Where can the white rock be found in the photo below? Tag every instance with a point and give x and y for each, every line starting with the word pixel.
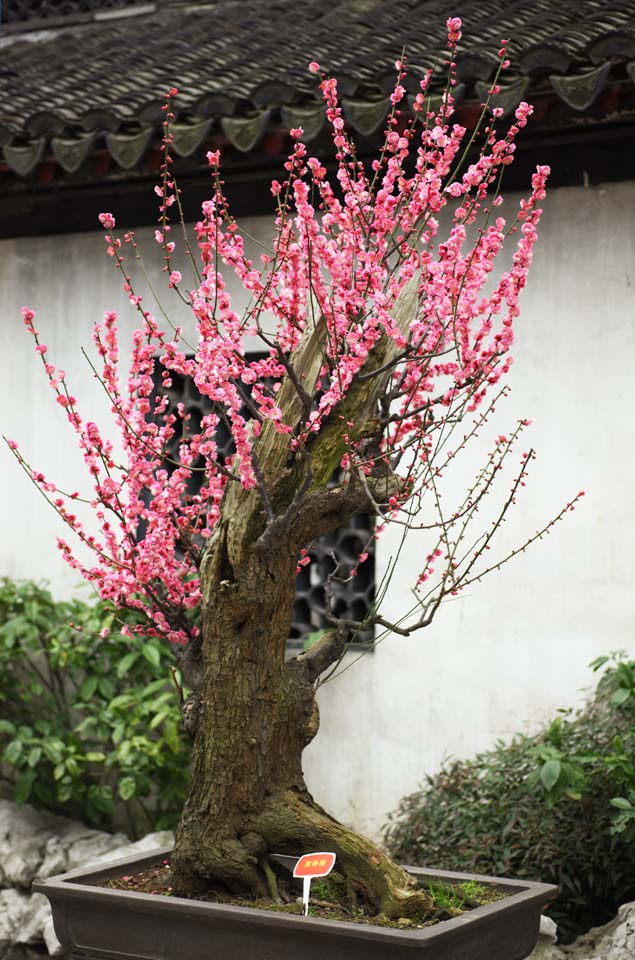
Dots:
pixel 614 941
pixel 35 843
pixel 547 951
pixel 548 930
pixel 34 916
pixel 162 838
pixel 14 907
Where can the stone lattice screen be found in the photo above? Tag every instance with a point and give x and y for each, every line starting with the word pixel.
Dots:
pixel 19 11
pixel 352 599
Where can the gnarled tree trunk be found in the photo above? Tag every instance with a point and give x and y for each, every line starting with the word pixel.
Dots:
pixel 255 713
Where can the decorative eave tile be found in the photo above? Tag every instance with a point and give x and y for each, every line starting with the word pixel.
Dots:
pixel 509 96
pixel 23 159
pixel 245 132
pixel 310 118
pixel 366 116
pixel 72 151
pixel 188 136
pixel 8 132
pixel 127 149
pixel 579 91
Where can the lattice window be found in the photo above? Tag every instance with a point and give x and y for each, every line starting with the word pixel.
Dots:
pixel 17 11
pixel 352 599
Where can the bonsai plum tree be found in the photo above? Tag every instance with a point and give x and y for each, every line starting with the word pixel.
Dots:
pixel 384 350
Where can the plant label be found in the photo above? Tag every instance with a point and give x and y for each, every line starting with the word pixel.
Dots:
pixel 309 866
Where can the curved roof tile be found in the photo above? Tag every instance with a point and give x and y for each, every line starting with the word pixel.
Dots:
pixel 237 60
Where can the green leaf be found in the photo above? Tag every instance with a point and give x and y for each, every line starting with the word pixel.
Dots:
pixel 94 756
pixel 172 738
pixel 118 731
pixel 622 803
pixel 550 773
pixel 52 751
pixel 598 662
pixel 59 771
pixel 43 794
pixel 13 752
pixel 7 727
pixel 123 700
pixel 127 788
pixel 126 663
pixel 620 696
pixel 167 697
pixel 65 791
pixel 585 757
pixel 23 787
pixel 153 687
pixel 88 688
pixel 35 754
pixel 106 688
pixel 72 766
pixel 158 719
pixel 151 653
pixel 101 797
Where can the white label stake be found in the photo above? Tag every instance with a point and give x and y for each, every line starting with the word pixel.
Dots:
pixel 309 866
pixel 306 893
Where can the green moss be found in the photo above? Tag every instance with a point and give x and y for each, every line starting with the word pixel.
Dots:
pixel 329 898
pixel 331 888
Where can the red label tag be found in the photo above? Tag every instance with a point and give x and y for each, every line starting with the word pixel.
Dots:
pixel 314 865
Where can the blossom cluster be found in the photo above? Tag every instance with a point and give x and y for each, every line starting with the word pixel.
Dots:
pixel 343 253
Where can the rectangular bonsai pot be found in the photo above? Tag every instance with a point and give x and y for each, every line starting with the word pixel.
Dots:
pixel 99 923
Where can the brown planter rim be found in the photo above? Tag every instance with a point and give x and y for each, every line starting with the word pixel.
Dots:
pixel 512 922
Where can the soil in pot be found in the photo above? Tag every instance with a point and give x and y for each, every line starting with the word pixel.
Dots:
pixel 331 898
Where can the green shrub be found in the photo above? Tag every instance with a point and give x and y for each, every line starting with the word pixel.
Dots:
pixel 558 807
pixel 89 719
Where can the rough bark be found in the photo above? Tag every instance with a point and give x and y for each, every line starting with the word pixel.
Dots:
pixel 256 714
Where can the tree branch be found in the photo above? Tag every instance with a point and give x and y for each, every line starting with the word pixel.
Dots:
pixel 327 650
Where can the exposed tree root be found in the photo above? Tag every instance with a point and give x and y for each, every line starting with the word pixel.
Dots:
pixel 272 883
pixel 294 824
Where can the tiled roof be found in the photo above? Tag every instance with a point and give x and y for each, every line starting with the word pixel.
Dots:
pixel 241 64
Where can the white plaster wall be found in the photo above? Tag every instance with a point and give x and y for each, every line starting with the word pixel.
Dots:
pixel 69 281
pixel 497 660
pixel 504 657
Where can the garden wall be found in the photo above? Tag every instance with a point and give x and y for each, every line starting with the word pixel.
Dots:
pixel 509 651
